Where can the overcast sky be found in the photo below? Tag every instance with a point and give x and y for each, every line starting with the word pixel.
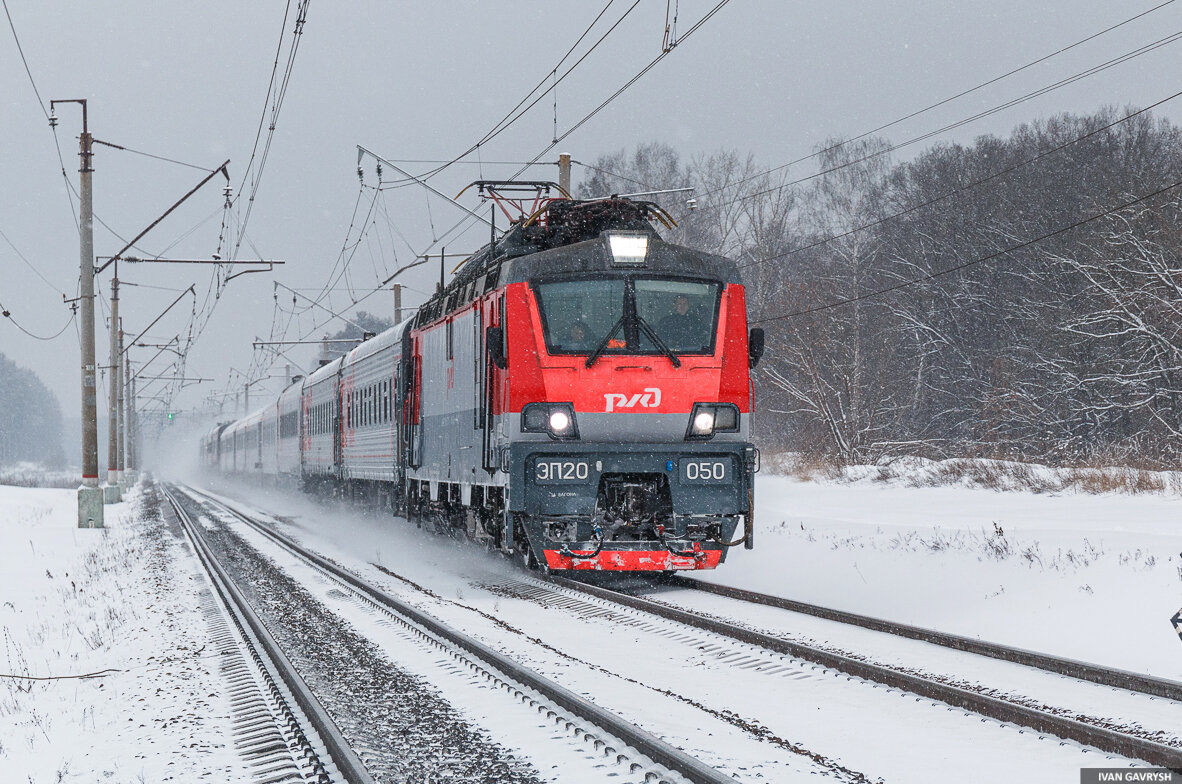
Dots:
pixel 424 80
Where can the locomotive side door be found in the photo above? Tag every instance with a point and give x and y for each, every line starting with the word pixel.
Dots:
pixel 414 403
pixel 493 316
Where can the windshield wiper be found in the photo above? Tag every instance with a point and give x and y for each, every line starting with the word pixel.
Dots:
pixel 598 352
pixel 652 335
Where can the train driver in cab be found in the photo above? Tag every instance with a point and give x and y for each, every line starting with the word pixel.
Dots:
pixel 680 328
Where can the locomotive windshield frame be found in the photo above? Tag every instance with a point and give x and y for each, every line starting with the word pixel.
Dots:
pixel 628 326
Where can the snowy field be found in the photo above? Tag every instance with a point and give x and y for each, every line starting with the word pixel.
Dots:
pixel 1086 576
pixel 1089 576
pixel 120 605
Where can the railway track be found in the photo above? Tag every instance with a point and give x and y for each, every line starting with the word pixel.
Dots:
pixel 641 753
pixel 1084 671
pixel 1003 710
pixel 281 729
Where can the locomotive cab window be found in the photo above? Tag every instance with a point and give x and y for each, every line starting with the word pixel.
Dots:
pixel 641 315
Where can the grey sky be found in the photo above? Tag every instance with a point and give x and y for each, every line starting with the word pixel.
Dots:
pixel 425 80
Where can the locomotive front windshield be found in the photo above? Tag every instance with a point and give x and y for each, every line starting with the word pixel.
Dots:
pixel 629 315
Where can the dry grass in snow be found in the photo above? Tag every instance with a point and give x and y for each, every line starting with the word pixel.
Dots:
pixel 107 672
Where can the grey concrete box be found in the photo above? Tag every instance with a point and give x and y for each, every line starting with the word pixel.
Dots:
pixel 90 507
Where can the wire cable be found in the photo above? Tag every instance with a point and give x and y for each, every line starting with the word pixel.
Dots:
pixel 28 263
pixel 151 155
pixel 275 107
pixel 21 50
pixel 513 115
pixel 4 312
pixel 664 53
pixel 1124 58
pixel 465 222
pixel 944 101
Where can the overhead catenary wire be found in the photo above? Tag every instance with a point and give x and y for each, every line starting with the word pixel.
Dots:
pixel 980 260
pixel 513 115
pixel 587 117
pixel 275 106
pixel 887 150
pixel 41 105
pixel 652 64
pixel 24 61
pixel 943 101
pixel 465 223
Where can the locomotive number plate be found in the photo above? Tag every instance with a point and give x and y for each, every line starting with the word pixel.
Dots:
pixel 705 469
pixel 554 471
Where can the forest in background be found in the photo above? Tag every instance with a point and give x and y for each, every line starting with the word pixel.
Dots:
pixel 1016 298
pixel 30 419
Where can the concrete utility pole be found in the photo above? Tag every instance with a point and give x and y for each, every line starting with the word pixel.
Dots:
pixel 111 492
pixel 564 172
pixel 132 425
pixel 90 496
pixel 123 384
pixel 397 303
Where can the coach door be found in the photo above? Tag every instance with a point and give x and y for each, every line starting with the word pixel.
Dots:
pixel 338 432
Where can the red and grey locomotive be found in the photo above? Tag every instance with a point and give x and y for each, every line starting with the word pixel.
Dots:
pixel 579 394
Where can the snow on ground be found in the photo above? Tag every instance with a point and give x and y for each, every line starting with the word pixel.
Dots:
pixel 1087 576
pixel 905 578
pixel 123 602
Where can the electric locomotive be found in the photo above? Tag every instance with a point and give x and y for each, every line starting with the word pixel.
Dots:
pixel 580 393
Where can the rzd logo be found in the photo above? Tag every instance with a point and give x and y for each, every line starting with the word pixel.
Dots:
pixel 649 398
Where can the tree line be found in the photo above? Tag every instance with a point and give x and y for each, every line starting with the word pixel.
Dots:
pixel 1016 297
pixel 30 419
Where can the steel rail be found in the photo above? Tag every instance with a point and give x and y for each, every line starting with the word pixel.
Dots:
pixel 992 707
pixel 1081 670
pixel 347 762
pixel 641 740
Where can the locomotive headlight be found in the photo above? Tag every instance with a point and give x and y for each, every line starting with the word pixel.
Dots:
pixel 559 421
pixel 628 248
pixel 703 423
pixel 556 419
pixel 710 418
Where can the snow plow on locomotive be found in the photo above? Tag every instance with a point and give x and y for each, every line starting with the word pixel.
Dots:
pixel 579 394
